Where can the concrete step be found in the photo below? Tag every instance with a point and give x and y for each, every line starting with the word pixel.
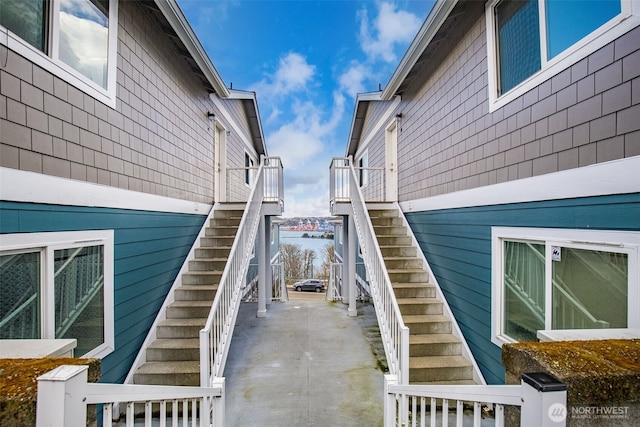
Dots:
pixel 222 222
pixel 221 230
pixel 202 278
pixel 207 264
pixel 427 324
pixel 216 252
pixel 398 251
pixel 414 290
pixel 394 240
pixel 390 230
pixel 180 328
pixel 408 275
pixel 386 221
pixel 195 292
pixel 416 306
pixel 398 262
pixel 434 345
pixel 212 242
pixel 377 213
pixel 228 213
pixel 182 373
pixel 439 368
pixel 164 350
pixel 188 309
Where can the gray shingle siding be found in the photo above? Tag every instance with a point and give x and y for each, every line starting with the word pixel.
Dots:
pixel 157 140
pixel 449 141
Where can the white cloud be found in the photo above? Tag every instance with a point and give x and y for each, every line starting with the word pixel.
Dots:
pixel 352 80
pixel 293 74
pixel 389 28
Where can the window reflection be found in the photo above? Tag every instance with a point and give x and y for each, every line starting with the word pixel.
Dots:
pixel 84 41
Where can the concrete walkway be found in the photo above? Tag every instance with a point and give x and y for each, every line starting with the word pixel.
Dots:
pixel 306 364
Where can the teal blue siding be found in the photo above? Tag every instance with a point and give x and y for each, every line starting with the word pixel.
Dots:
pixel 457 245
pixel 149 249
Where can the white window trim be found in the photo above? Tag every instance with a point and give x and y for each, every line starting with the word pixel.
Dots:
pixel 363 170
pixel 251 171
pixel 47 243
pixel 65 72
pixel 615 28
pixel 615 241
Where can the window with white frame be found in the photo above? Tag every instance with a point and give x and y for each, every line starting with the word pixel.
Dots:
pixel 558 279
pixel 249 169
pixel 363 172
pixel 74 39
pixel 58 285
pixel 528 38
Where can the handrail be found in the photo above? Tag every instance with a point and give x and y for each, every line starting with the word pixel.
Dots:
pixel 64 394
pixel 215 336
pixel 395 334
pixel 430 404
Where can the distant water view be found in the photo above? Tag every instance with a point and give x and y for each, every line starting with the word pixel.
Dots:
pixel 316 243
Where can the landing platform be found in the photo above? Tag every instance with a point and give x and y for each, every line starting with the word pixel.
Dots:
pixel 306 364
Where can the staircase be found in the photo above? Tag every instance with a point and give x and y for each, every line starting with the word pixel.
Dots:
pixel 435 354
pixel 173 358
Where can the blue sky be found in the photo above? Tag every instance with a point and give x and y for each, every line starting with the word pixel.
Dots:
pixel 306 61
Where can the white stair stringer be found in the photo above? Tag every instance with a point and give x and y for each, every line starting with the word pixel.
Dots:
pixel 447 321
pixel 180 285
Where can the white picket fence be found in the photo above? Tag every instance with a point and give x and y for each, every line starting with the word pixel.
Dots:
pixel 64 396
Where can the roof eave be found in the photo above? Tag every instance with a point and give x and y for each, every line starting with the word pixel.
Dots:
pixel 359 111
pixel 439 13
pixel 253 116
pixel 181 26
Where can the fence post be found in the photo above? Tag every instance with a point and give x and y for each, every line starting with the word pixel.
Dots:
pixel 390 405
pixel 61 397
pixel 218 403
pixel 544 401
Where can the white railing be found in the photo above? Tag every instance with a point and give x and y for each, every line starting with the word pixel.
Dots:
pixel 395 335
pixel 370 181
pixel 431 405
pixel 240 181
pixel 64 394
pixel 334 287
pixel 215 337
pixel 279 287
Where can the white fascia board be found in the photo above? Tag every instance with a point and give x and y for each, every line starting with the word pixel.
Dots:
pixel 614 177
pixel 439 13
pixel 229 120
pixel 251 96
pixel 181 26
pixel 382 122
pixel 31 187
pixel 361 97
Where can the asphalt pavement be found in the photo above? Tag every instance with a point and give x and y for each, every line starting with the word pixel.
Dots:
pixel 305 364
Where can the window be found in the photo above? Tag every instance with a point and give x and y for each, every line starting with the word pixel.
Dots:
pixel 546 279
pixel 249 170
pixel 58 285
pixel 363 172
pixel 74 39
pixel 534 37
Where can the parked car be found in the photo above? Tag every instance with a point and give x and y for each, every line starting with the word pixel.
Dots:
pixel 309 285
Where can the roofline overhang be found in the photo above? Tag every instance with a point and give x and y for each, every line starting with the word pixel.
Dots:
pixel 357 121
pixel 439 13
pixel 251 102
pixel 181 26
